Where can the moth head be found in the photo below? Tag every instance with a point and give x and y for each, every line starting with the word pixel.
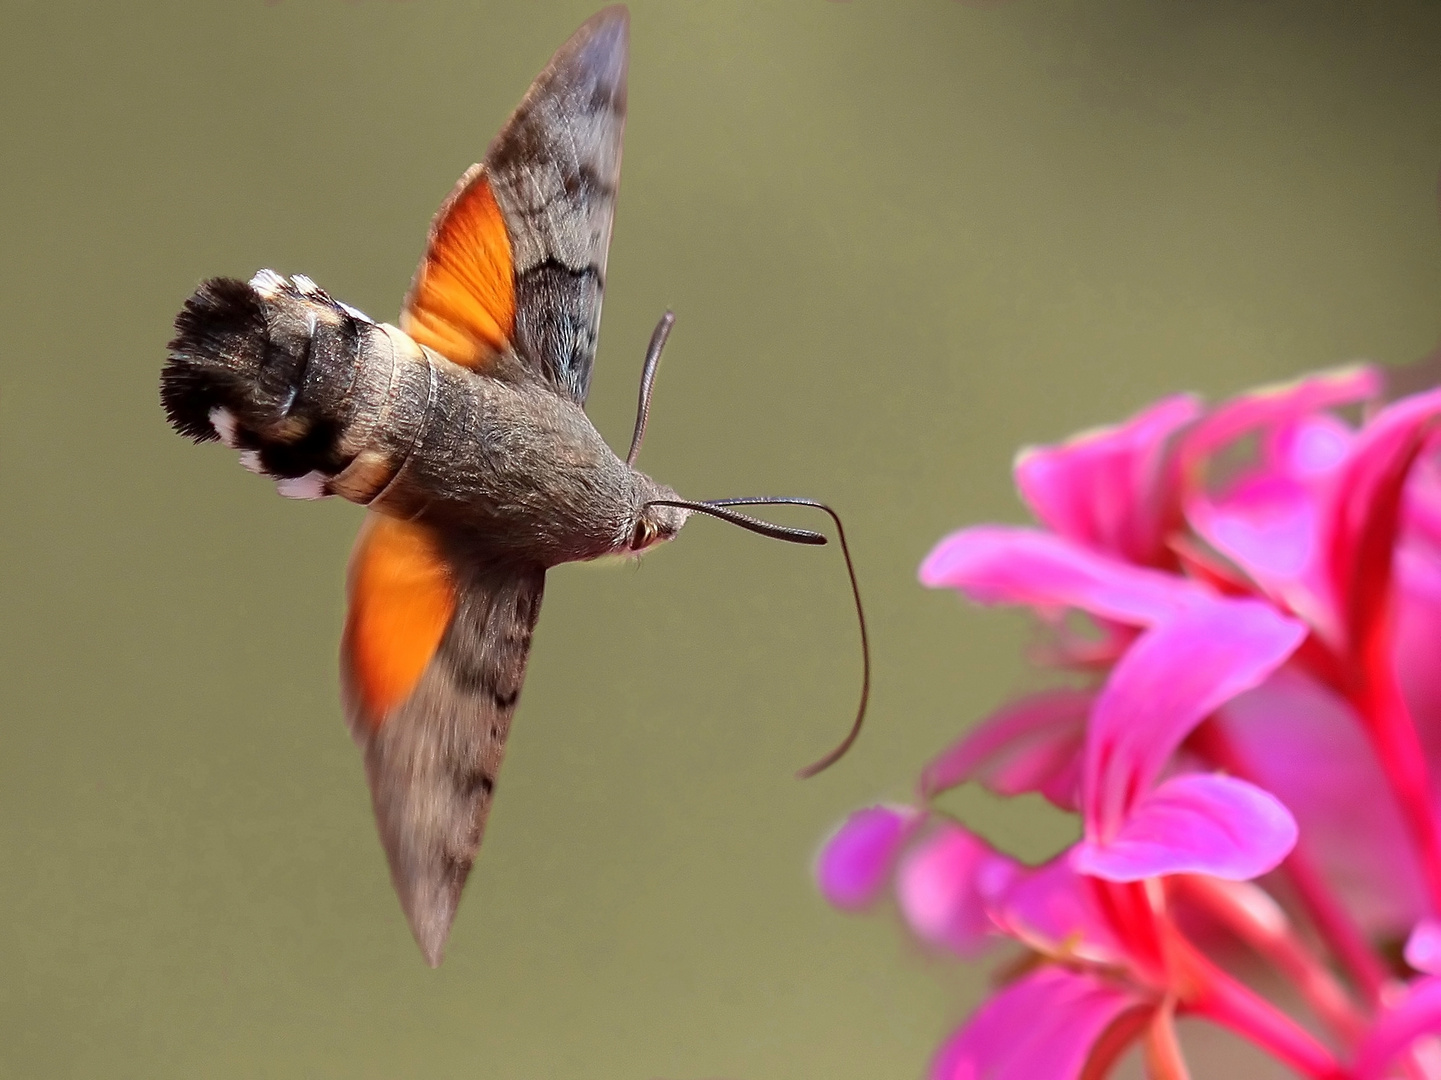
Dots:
pixel 655 523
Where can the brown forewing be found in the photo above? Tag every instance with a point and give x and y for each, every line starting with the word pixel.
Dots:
pixel 554 170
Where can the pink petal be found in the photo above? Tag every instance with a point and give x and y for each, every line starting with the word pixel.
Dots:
pixel 856 861
pixel 1173 677
pixel 1366 513
pixel 1041 1027
pixel 1418 1013
pixel 1271 524
pixel 1033 744
pixel 1270 527
pixel 1305 744
pixel 1417 631
pixel 997 564
pixel 1196 824
pixel 1310 448
pixel 1053 910
pixel 943 885
pixel 1423 947
pixel 1267 526
pixel 1276 405
pixel 1106 489
pixel 1423 502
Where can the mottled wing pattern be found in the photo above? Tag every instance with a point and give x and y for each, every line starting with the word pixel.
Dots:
pixel 554 170
pixel 432 665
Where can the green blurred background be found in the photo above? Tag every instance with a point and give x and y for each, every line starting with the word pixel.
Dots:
pixel 903 237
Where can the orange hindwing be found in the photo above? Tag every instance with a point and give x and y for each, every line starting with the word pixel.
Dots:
pixel 462 300
pixel 401 600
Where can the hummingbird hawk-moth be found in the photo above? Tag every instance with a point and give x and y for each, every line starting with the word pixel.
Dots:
pixel 463 430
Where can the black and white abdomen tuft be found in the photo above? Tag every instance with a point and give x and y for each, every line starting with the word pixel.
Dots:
pixel 312 392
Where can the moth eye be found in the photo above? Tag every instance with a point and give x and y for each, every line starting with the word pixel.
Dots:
pixel 641 535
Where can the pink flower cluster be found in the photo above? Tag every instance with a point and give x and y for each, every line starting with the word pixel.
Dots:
pixel 1248 602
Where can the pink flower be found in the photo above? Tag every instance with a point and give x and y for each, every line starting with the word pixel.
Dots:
pixel 1173 677
pixel 1044 1024
pixel 1263 581
pixel 1112 489
pixel 1416 1014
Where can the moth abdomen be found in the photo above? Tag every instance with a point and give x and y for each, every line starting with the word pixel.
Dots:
pixel 215 357
pixel 300 383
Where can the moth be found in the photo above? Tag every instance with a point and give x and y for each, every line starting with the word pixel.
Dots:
pixel 463 431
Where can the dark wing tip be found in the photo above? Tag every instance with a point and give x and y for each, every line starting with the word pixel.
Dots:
pixel 429 896
pixel 615 18
pixel 432 937
pixel 600 49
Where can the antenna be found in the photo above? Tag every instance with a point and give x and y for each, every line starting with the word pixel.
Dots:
pixel 647 382
pixel 719 508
